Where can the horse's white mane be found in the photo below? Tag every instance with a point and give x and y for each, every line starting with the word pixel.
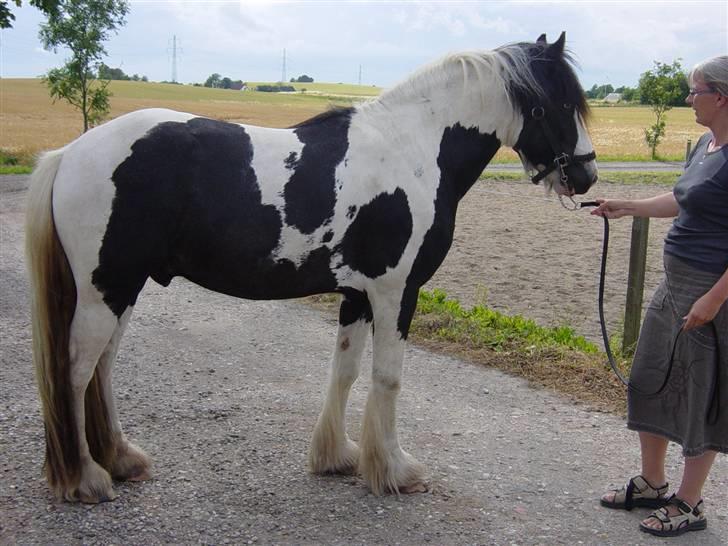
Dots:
pixel 506 68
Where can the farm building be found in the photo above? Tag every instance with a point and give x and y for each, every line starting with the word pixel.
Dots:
pixel 613 97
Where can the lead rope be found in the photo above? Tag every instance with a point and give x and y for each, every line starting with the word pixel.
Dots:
pixel 714 408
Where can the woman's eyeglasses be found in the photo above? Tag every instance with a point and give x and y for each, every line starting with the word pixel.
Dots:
pixel 696 92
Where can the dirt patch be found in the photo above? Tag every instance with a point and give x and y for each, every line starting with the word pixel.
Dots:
pixel 521 252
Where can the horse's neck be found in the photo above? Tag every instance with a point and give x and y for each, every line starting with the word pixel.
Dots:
pixel 455 92
pixel 464 127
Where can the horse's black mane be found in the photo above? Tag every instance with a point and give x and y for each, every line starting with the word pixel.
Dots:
pixel 334 112
pixel 565 85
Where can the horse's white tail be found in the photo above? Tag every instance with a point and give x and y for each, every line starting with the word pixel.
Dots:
pixel 53 302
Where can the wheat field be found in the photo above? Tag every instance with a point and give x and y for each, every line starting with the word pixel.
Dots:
pixel 31 122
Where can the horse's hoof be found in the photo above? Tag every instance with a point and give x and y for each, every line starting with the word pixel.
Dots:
pixel 108 497
pixel 419 487
pixel 141 477
pixel 131 464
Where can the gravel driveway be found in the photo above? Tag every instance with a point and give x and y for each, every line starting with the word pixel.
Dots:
pixel 224 394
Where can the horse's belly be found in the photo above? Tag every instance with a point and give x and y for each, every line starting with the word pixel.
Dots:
pixel 262 278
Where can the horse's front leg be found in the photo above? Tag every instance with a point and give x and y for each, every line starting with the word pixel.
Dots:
pixel 385 466
pixel 331 449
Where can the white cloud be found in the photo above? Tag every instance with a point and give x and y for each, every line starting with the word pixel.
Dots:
pixel 614 42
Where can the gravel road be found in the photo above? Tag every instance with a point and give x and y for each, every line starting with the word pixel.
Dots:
pixel 224 394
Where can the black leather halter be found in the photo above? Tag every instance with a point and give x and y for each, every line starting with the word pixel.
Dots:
pixel 561 159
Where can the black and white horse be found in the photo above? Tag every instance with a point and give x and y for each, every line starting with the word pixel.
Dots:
pixel 359 201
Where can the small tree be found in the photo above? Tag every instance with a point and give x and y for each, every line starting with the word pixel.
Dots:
pixel 662 88
pixel 82 26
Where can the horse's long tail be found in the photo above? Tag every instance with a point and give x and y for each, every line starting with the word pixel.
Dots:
pixel 53 303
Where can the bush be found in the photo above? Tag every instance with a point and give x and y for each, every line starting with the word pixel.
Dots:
pixel 275 88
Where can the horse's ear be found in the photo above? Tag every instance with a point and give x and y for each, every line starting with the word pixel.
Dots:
pixel 541 39
pixel 556 50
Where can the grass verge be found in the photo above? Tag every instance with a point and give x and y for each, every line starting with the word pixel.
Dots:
pixel 15 169
pixel 552 358
pixel 628 178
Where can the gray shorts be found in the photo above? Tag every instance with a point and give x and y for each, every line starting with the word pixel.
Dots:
pixel 685 410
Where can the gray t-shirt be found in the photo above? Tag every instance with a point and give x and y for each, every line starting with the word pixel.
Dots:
pixel 699 234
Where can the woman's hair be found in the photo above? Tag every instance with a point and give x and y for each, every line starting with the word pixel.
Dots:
pixel 714 73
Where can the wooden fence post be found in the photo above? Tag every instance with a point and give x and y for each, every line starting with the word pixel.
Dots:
pixel 688 148
pixel 635 283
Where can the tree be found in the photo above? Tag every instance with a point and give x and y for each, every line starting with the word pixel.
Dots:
pixel 107 73
pixel 6 17
pixel 82 26
pixel 215 80
pixel 662 88
pixel 629 94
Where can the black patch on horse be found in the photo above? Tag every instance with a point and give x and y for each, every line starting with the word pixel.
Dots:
pixel 464 153
pixel 310 193
pixel 377 237
pixel 187 203
pixel 354 306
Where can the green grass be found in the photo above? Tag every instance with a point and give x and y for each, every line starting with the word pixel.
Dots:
pixel 445 319
pixel 172 92
pixel 329 88
pixel 16 162
pixel 627 178
pixel 15 169
pixel 640 177
pixel 315 92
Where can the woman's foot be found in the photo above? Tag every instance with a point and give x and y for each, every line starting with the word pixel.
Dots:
pixel 638 493
pixel 676 518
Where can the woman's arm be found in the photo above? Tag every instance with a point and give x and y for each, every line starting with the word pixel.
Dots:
pixel 660 206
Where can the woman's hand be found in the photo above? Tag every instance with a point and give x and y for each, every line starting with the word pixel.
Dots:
pixel 702 311
pixel 613 208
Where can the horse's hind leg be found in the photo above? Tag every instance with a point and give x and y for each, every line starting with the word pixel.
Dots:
pixel 331 449
pixel 129 462
pixel 92 330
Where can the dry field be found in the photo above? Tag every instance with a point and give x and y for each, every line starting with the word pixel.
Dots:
pixel 30 121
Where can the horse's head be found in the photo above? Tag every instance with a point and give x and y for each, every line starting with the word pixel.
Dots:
pixel 553 140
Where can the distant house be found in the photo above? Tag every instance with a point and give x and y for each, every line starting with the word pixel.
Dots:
pixel 239 86
pixel 613 97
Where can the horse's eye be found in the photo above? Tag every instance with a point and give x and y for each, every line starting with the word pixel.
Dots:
pixel 567 106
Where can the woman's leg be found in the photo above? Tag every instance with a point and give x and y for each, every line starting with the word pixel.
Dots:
pixel 653 450
pixel 694 475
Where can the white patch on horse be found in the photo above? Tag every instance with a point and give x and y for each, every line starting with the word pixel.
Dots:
pixel 271 148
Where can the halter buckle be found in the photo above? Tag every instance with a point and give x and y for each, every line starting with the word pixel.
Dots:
pixel 573 206
pixel 562 160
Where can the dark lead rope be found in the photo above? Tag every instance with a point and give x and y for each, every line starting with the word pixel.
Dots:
pixel 714 408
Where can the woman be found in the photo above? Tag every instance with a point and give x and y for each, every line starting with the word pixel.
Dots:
pixel 685 331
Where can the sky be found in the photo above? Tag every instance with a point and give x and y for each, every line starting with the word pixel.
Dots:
pixel 379 42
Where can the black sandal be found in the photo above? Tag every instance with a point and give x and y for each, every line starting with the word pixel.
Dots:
pixel 689 519
pixel 638 493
